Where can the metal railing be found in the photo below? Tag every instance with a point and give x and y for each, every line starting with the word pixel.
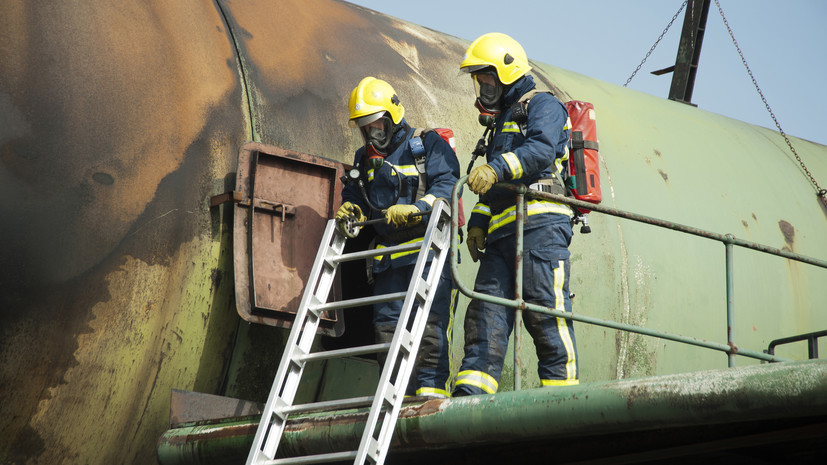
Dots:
pixel 730 348
pixel 811 338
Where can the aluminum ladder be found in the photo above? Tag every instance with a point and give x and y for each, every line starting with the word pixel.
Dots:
pixel 401 351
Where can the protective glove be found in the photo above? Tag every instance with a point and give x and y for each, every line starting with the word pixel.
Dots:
pixel 350 209
pixel 482 178
pixel 476 242
pixel 399 215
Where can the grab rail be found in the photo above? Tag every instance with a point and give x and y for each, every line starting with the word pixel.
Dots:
pixel 730 348
pixel 811 338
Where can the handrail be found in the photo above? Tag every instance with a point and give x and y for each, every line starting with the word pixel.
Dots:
pixel 811 338
pixel 730 348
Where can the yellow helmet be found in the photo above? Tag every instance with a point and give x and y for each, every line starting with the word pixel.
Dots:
pixel 502 52
pixel 370 99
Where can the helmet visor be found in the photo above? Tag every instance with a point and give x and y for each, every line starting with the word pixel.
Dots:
pixel 487 88
pixel 378 133
pixel 365 120
pixel 473 69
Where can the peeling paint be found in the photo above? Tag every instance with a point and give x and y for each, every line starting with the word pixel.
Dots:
pixel 789 233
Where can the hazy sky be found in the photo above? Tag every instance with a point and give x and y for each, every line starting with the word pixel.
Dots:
pixel 784 43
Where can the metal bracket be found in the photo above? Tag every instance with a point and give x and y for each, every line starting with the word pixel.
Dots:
pixel 278 208
pixel 232 196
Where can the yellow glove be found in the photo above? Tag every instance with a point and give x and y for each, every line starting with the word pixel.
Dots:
pixel 350 209
pixel 481 179
pixel 399 215
pixel 476 242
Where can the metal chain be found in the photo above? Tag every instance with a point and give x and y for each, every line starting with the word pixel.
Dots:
pixel 655 44
pixel 821 193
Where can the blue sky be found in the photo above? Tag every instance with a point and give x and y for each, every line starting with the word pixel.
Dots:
pixel 784 43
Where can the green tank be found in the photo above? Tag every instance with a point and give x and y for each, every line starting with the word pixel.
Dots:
pixel 129 330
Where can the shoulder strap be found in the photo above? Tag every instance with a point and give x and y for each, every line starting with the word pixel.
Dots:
pixel 519 110
pixel 530 95
pixel 418 151
pixel 416 144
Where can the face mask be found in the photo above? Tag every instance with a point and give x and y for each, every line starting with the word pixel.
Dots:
pixel 378 140
pixel 490 95
pixel 379 136
pixel 489 90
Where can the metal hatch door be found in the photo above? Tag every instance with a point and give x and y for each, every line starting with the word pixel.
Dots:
pixel 292 196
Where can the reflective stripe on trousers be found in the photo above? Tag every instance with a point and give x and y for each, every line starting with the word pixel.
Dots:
pixel 488 326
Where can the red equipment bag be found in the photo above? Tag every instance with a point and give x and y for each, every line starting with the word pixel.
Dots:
pixel 584 163
pixel 448 135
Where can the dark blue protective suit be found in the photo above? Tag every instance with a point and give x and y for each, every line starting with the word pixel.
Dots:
pixel 393 273
pixel 523 155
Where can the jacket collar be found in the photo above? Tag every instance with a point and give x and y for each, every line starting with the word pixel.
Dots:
pixel 517 90
pixel 403 132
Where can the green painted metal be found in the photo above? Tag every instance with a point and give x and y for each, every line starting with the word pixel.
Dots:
pixel 518 289
pixel 730 303
pixel 757 395
pixel 690 167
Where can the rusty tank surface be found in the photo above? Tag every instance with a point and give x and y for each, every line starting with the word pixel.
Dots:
pixel 120 126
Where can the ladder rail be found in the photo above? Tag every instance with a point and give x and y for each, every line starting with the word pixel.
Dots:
pixel 375 447
pixel 263 442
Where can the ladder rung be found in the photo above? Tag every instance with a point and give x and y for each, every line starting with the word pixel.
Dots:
pixel 360 302
pixel 330 405
pixel 319 458
pixel 328 354
pixel 376 252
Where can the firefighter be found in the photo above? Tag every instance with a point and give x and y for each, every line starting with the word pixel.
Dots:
pixel 390 190
pixel 528 150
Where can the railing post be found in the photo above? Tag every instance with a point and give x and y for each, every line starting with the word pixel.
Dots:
pixel 730 302
pixel 518 290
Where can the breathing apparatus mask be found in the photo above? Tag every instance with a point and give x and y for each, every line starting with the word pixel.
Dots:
pixel 489 91
pixel 377 133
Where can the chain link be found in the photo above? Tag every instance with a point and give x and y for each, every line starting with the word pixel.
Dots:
pixel 821 193
pixel 655 44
